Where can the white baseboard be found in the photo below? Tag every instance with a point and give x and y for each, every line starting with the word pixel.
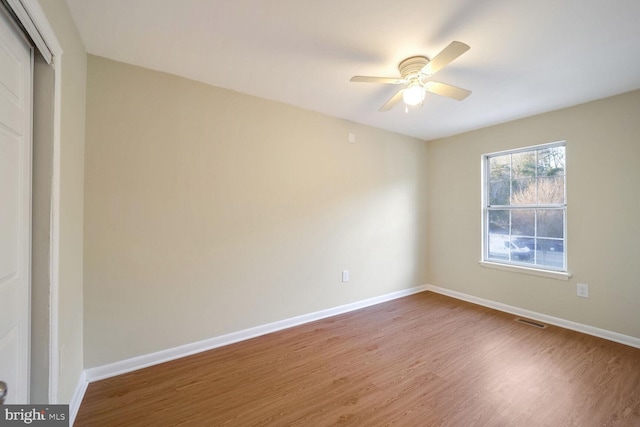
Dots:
pixel 567 324
pixel 78 395
pixel 139 362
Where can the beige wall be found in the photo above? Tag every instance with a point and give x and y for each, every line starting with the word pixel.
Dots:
pixel 209 211
pixel 603 179
pixel 73 68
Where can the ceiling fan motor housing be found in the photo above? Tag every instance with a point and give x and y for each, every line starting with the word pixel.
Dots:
pixel 411 67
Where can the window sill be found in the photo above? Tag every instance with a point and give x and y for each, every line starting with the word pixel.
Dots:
pixel 558 275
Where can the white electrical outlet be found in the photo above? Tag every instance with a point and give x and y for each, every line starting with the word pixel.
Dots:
pixel 345 275
pixel 352 137
pixel 583 290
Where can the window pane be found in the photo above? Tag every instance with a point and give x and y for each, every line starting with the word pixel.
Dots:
pixel 498 247
pixel 550 245
pixel 523 192
pixel 551 189
pixel 500 168
pixel 523 165
pixel 551 223
pixel 502 248
pixel 551 161
pixel 499 180
pixel 550 253
pixel 499 193
pixel 499 222
pixel 529 242
pixel 520 252
pixel 523 222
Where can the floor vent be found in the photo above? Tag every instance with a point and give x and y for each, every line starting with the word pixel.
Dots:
pixel 531 323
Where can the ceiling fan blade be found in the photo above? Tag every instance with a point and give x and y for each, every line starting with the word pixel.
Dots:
pixel 385 80
pixel 447 55
pixel 393 101
pixel 447 90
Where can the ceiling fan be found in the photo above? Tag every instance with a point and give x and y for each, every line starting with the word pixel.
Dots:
pixel 415 72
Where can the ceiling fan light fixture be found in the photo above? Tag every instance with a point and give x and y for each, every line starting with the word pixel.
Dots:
pixel 415 72
pixel 414 94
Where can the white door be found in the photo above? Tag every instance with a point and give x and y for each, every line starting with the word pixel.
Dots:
pixel 16 64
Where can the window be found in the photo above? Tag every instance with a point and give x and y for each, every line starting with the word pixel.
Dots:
pixel 524 207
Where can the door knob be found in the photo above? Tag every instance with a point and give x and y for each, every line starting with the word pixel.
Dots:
pixel 3 391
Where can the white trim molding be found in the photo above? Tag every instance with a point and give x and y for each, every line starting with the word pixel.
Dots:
pixel 54 353
pixel 78 395
pixel 567 324
pixel 144 361
pixel 559 275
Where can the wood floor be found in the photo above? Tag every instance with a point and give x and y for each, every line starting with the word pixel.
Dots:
pixel 423 360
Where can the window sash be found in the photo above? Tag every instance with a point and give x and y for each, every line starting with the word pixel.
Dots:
pixel 537 238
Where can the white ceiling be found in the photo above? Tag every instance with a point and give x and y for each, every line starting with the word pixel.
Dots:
pixel 526 56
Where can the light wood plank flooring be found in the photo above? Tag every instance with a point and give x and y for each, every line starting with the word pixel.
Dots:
pixel 423 360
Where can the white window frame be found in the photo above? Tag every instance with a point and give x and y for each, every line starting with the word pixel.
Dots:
pixel 510 265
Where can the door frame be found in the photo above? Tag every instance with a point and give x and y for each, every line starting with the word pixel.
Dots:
pixel 30 15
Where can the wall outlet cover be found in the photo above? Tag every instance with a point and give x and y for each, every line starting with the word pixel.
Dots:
pixel 583 290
